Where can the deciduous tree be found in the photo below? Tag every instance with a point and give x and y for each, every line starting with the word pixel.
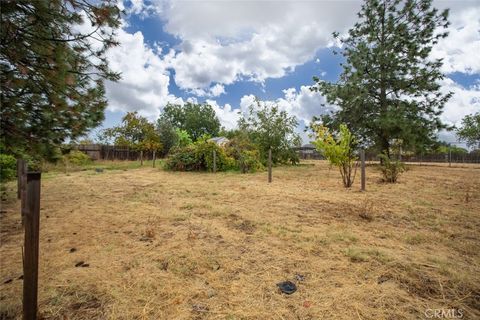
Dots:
pixel 269 127
pixel 196 119
pixel 470 130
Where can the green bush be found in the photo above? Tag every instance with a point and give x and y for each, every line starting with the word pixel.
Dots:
pixel 8 167
pixel 391 170
pixel 77 158
pixel 246 155
pixel 182 159
pixel 199 157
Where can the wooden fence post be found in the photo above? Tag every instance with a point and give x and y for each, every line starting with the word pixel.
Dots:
pixel 21 170
pixel 214 161
pixel 30 267
pixel 141 157
pixel 153 160
pixel 449 156
pixel 362 159
pixel 270 165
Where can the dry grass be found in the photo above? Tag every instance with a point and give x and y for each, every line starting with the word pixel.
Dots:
pixel 161 245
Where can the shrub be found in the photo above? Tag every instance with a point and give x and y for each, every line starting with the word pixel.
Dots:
pixel 199 156
pixel 339 149
pixel 391 170
pixel 182 159
pixel 204 154
pixel 245 154
pixel 77 158
pixel 8 167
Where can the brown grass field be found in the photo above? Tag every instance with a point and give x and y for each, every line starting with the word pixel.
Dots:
pixel 163 245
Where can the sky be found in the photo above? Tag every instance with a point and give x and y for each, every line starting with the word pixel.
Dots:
pixel 226 53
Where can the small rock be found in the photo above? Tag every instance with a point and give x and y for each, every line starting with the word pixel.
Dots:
pixel 8 281
pixel 73 250
pixel 20 278
pixel 287 287
pixel 79 264
pixel 85 265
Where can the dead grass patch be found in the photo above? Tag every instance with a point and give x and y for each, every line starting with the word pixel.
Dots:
pixel 164 245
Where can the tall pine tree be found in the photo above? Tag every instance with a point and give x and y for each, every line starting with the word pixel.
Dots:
pixel 389 89
pixel 52 72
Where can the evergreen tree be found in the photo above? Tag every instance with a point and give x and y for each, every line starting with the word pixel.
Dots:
pixel 389 89
pixel 52 73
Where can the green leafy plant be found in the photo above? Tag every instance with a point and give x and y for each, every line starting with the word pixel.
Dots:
pixel 8 166
pixel 199 157
pixel 246 154
pixel 271 128
pixel 391 169
pixel 77 158
pixel 339 150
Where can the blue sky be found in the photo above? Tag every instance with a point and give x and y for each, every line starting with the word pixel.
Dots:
pixel 226 53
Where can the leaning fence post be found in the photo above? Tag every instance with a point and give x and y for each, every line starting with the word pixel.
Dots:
pixel 154 155
pixel 30 267
pixel 362 171
pixel 270 165
pixel 214 161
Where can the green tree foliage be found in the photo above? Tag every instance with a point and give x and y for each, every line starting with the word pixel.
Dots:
pixel 339 149
pixel 135 132
pixel 268 127
pixel 183 138
pixel 196 119
pixel 8 167
pixel 167 134
pixel 51 73
pixel 389 88
pixel 470 130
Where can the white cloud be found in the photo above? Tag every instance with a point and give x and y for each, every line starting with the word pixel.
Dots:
pixel 223 42
pixel 303 104
pixel 460 50
pixel 463 102
pixel 145 78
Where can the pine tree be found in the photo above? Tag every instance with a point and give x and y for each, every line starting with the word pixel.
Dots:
pixel 52 73
pixel 389 89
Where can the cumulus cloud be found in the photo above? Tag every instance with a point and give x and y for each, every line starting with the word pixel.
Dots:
pixel 460 49
pixel 145 78
pixel 463 102
pixel 224 42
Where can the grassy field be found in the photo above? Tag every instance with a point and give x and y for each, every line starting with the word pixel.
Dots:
pixel 170 245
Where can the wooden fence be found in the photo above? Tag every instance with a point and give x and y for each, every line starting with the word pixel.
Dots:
pixel 108 152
